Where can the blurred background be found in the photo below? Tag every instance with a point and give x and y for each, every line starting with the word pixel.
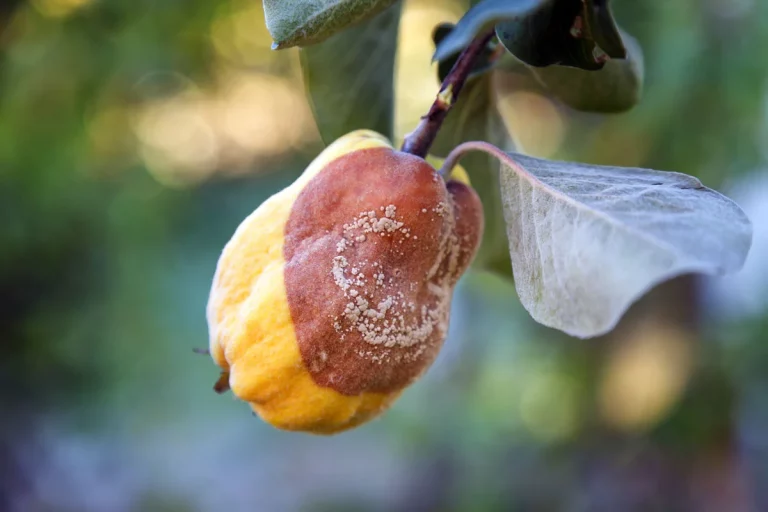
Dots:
pixel 136 135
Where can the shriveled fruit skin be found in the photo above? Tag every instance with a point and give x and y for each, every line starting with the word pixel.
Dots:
pixel 334 295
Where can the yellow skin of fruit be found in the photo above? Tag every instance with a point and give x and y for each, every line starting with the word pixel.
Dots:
pixel 248 302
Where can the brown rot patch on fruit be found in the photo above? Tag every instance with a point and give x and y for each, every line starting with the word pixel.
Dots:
pixel 373 247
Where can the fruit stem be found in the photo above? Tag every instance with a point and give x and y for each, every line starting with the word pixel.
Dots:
pixel 222 384
pixel 420 139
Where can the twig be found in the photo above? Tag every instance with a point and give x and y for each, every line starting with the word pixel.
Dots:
pixel 420 140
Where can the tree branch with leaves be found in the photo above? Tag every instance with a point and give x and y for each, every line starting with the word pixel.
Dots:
pixel 345 300
pixel 576 50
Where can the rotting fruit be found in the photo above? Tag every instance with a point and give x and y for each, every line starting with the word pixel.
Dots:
pixel 334 295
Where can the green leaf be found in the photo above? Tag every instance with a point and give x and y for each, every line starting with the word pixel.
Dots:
pixel 587 241
pixel 482 16
pixel 306 22
pixel 350 78
pixel 615 88
pixel 577 33
pixel 475 117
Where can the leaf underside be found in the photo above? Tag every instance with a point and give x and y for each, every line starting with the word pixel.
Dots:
pixel 587 241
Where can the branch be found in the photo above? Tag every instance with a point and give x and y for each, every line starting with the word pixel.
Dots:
pixel 420 140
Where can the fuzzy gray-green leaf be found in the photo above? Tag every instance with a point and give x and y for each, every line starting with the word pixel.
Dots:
pixel 587 241
pixel 306 22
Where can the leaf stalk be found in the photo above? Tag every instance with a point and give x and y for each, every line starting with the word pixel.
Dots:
pixel 421 138
pixel 459 151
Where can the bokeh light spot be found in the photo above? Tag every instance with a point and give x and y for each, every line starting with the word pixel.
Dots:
pixel 549 406
pixel 645 377
pixel 239 34
pixel 537 126
pixel 179 145
pixel 58 8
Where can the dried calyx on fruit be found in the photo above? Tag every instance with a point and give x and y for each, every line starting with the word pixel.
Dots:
pixel 334 295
